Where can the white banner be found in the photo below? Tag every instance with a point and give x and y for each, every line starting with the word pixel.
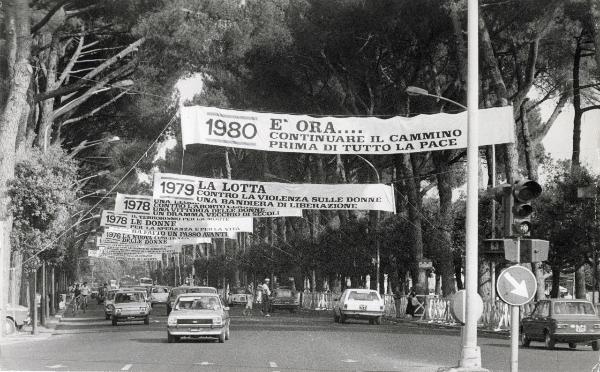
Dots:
pixel 204 237
pixel 146 205
pixel 273 194
pixel 141 224
pixel 341 135
pixel 122 237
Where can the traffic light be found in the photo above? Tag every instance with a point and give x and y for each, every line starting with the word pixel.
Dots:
pixel 504 194
pixel 524 192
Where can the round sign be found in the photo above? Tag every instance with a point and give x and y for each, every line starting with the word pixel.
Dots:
pixel 516 285
pixel 459 305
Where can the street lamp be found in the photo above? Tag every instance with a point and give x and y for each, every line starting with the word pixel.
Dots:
pixel 96 192
pixel 84 179
pixel 416 91
pixel 87 144
pixel 377 240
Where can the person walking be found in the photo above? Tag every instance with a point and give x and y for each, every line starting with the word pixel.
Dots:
pixel 266 293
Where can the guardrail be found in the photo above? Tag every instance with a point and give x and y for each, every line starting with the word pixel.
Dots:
pixel 431 308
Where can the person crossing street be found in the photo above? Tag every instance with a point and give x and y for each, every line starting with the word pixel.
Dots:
pixel 265 298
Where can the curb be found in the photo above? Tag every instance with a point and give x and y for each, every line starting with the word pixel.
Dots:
pixel 501 334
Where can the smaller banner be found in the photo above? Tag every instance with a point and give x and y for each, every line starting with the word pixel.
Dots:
pixel 146 205
pixel 341 135
pixel 179 229
pixel 157 239
pixel 273 194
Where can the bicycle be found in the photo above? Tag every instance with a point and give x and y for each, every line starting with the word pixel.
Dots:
pixel 84 302
pixel 75 304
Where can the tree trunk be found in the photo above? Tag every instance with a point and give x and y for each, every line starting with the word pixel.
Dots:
pixel 594 12
pixel 555 291
pixel 18 43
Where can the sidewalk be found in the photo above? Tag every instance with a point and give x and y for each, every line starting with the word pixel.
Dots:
pixel 43 332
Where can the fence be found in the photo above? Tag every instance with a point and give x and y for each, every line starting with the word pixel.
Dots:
pixel 433 309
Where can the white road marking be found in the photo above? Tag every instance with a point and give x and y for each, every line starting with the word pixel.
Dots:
pixel 56 366
pixel 204 364
pixel 273 364
pixel 350 361
pixel 126 367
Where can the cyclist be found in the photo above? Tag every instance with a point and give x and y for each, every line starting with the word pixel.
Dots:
pixel 76 298
pixel 85 292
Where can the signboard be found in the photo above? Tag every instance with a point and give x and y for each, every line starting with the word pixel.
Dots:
pixel 180 229
pixel 459 305
pixel 516 285
pixel 147 205
pixel 273 194
pixel 341 135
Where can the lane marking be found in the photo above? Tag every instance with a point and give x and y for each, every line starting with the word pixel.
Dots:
pixel 273 364
pixel 126 367
pixel 56 366
pixel 204 364
pixel 350 361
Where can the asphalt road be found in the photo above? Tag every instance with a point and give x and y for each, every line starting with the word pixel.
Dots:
pixel 282 342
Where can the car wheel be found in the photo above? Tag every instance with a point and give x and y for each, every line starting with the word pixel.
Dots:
pixel 147 319
pixel 227 333
pixel 336 318
pixel 342 318
pixel 549 341
pixel 525 341
pixel 171 339
pixel 377 320
pixel 222 337
pixel 114 321
pixel 107 316
pixel 168 309
pixel 595 345
pixel 572 345
pixel 9 326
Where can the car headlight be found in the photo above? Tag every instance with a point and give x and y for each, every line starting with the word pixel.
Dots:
pixel 217 321
pixel 172 321
pixel 559 326
pixel 118 309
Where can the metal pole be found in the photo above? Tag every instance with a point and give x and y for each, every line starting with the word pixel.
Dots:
pixel 53 296
pixel 33 302
pixel 514 326
pixel 471 354
pixel 43 296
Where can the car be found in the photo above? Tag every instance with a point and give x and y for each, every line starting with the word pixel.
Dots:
pixel 285 298
pixel 108 302
pixel 16 317
pixel 176 291
pixel 130 305
pixel 359 303
pixel 159 295
pixel 561 320
pixel 198 315
pixel 238 296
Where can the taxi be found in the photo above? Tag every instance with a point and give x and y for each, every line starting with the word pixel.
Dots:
pixel 560 320
pixel 198 315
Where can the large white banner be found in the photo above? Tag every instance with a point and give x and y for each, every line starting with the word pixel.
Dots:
pixel 341 135
pixel 179 229
pixel 116 236
pixel 147 205
pixel 273 194
pixel 103 252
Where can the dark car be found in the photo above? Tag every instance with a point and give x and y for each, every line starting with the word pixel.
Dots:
pixel 285 298
pixel 562 320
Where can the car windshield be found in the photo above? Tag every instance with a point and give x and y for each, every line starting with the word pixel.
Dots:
pixel 208 303
pixel 129 297
pixel 159 290
pixel 363 296
pixel 573 308
pixel 284 292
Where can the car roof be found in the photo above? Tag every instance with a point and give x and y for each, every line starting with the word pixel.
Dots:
pixel 361 290
pixel 194 286
pixel 198 295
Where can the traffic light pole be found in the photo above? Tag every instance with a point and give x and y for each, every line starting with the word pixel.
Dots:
pixel 514 325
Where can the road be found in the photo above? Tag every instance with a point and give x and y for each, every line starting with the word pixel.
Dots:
pixel 283 342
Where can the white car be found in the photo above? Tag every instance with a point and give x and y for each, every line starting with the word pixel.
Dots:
pixel 159 295
pixel 358 303
pixel 130 305
pixel 198 315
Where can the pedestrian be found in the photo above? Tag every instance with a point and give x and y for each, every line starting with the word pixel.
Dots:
pixel 412 304
pixel 266 293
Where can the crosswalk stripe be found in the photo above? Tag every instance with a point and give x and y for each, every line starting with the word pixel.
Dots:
pixel 126 367
pixel 273 364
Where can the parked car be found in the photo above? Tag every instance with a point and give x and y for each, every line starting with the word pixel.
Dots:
pixel 238 296
pixel 198 315
pixel 561 320
pixel 16 317
pixel 159 295
pixel 285 298
pixel 359 304
pixel 130 305
pixel 176 291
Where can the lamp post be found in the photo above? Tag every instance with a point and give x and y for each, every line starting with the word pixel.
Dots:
pixel 96 192
pixel 377 240
pixel 87 144
pixel 416 91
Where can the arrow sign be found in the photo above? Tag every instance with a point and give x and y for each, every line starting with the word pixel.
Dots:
pixel 520 287
pixel 516 285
